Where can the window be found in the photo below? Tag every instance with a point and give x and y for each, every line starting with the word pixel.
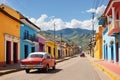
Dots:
pixel 36 56
pixel 48 56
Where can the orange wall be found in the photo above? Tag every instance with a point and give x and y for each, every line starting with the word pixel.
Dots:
pixel 7 26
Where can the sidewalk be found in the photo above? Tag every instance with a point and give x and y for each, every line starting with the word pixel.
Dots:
pixel 111 69
pixel 16 67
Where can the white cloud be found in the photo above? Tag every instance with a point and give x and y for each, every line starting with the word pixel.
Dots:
pixel 60 24
pixel 99 11
pixel 91 10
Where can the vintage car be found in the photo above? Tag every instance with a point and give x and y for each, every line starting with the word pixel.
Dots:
pixel 38 60
pixel 82 54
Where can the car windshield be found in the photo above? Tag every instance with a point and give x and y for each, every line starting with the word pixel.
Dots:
pixel 36 56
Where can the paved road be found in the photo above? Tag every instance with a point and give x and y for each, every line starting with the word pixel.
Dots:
pixel 73 69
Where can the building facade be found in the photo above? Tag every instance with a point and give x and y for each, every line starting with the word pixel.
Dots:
pixel 51 48
pixel 29 38
pixel 9 36
pixel 98 46
pixel 41 43
pixel 111 37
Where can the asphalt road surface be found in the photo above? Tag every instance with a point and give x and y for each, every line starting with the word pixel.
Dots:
pixel 74 69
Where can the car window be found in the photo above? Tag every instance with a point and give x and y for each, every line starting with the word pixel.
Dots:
pixel 36 56
pixel 48 56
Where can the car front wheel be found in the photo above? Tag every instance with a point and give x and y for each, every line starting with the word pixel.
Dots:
pixel 54 67
pixel 46 69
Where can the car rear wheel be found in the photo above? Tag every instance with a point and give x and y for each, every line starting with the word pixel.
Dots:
pixel 27 70
pixel 54 67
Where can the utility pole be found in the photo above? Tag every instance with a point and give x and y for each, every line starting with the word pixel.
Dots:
pixel 93 33
pixel 93 23
pixel 54 41
pixel 61 45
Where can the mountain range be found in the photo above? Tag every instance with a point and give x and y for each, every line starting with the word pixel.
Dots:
pixel 77 35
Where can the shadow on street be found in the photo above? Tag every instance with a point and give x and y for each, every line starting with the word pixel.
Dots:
pixel 49 72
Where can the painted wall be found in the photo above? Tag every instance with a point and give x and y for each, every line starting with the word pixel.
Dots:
pixel 98 46
pixel 109 50
pixel 50 44
pixel 24 42
pixel 8 26
pixel 41 40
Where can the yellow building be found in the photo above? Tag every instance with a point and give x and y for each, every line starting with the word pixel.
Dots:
pixel 51 48
pixel 9 35
pixel 68 48
pixel 98 46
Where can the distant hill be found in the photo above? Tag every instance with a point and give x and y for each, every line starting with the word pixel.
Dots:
pixel 78 36
pixel 70 32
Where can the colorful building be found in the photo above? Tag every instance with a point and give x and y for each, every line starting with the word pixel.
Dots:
pixel 51 48
pixel 9 35
pixel 111 38
pixel 28 36
pixel 98 46
pixel 41 43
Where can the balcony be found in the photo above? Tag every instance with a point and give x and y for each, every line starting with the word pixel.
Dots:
pixel 27 37
pixel 33 39
pixel 114 28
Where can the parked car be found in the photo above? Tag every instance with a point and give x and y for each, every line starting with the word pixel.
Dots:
pixel 82 54
pixel 38 60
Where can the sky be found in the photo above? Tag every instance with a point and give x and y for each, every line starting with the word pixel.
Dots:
pixel 60 14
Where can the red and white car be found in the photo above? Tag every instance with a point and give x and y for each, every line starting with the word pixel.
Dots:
pixel 38 60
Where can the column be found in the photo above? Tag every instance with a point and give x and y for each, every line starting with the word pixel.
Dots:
pixel 113 17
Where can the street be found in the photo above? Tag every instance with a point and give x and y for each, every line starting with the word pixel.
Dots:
pixel 74 69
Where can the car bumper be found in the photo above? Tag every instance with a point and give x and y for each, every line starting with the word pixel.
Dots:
pixel 31 66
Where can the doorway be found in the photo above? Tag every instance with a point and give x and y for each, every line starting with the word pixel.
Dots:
pixel 26 51
pixel 112 53
pixel 8 52
pixel 15 52
pixel 117 52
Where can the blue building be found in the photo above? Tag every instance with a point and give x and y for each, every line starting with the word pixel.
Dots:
pixel 109 50
pixel 111 34
pixel 28 37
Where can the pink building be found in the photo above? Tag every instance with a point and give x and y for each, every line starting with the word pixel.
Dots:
pixel 41 43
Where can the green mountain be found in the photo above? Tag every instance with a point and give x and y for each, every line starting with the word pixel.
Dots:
pixel 77 36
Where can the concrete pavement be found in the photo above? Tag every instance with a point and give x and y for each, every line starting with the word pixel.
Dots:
pixel 16 67
pixel 111 69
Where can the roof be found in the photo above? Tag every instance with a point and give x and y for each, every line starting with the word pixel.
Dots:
pixel 29 22
pixel 114 3
pixel 10 16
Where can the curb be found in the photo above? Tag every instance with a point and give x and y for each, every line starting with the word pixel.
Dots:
pixel 19 69
pixel 105 70
pixel 10 71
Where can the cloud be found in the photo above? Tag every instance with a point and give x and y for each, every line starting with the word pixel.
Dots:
pixel 49 22
pixel 59 23
pixel 99 11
